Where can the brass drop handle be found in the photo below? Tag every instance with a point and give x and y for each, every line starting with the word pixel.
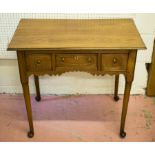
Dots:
pixel 114 60
pixel 38 62
pixel 89 59
pixel 62 59
pixel 76 58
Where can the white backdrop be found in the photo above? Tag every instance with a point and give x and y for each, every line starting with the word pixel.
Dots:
pixel 76 82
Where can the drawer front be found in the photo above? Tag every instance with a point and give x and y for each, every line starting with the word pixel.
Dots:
pixel 114 62
pixel 39 62
pixel 76 61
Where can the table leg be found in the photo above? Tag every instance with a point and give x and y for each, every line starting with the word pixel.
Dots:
pixel 36 79
pixel 128 82
pixel 28 108
pixel 116 97
pixel 125 107
pixel 26 93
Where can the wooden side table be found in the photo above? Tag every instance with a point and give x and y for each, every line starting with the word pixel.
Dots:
pixel 95 46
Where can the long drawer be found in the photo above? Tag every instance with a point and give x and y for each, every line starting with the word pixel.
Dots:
pixel 76 61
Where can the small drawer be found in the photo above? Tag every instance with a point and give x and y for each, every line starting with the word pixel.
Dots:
pixel 114 62
pixel 39 62
pixel 76 61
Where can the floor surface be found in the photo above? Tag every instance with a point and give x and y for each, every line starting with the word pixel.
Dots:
pixel 88 118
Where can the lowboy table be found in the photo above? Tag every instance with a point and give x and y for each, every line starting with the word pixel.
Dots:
pixel 96 46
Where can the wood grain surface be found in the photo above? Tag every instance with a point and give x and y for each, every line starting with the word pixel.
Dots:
pixel 67 34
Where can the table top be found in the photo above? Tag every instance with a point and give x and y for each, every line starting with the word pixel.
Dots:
pixel 49 34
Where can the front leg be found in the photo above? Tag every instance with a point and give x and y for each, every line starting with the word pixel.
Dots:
pixel 128 82
pixel 28 108
pixel 125 107
pixel 24 81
